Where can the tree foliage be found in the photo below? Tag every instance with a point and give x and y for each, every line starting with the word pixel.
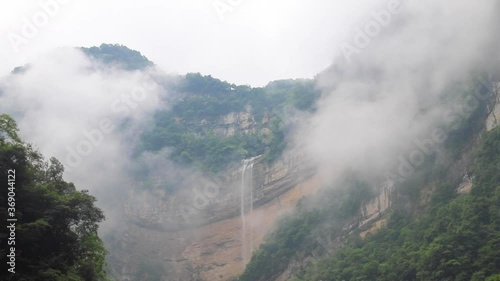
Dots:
pixel 296 233
pixel 118 55
pixel 56 231
pixel 187 126
pixel 457 239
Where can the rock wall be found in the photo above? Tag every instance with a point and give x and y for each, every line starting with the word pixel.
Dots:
pixel 190 240
pixel 372 215
pixel 235 122
pixel 193 239
pixel 214 198
pixel 370 219
pixel 494 109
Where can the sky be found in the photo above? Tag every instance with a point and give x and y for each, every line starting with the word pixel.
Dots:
pixel 251 42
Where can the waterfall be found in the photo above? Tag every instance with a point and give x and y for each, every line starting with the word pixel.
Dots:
pixel 246 208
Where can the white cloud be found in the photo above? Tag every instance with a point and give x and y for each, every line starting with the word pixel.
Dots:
pixel 376 106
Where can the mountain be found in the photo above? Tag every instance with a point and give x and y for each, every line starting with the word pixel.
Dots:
pixel 207 151
pixel 439 223
pixel 201 129
pixel 211 123
pixel 363 228
pixel 115 54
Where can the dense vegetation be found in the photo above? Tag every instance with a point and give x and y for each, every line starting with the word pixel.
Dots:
pixel 115 54
pixel 188 126
pixel 195 105
pixel 56 228
pixel 457 239
pixel 297 233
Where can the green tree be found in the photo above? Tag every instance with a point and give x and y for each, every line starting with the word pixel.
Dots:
pixel 56 231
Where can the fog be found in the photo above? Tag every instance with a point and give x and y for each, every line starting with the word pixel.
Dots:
pixel 398 83
pixel 393 87
pixel 85 114
pixel 90 116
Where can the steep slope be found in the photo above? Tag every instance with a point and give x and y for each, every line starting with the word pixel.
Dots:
pixel 181 184
pixel 182 217
pixel 210 123
pixel 426 227
pixel 205 127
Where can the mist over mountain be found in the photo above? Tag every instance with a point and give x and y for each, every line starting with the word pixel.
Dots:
pixel 384 166
pixel 165 132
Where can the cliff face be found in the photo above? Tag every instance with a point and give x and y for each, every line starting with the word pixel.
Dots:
pixel 192 236
pixel 371 218
pixel 233 122
pixel 198 235
pixel 373 213
pixel 216 198
pixel 494 115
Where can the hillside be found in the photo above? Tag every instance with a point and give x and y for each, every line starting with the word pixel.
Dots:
pixel 184 170
pixel 211 123
pixel 231 140
pixel 201 129
pixel 441 223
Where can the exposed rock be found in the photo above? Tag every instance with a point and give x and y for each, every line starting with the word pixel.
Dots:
pixel 173 211
pixel 374 228
pixel 465 189
pixel 204 243
pixel 377 206
pixel 206 252
pixel 228 125
pixel 494 116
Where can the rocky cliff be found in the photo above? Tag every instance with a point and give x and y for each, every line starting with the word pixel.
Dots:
pixel 197 234
pixel 373 213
